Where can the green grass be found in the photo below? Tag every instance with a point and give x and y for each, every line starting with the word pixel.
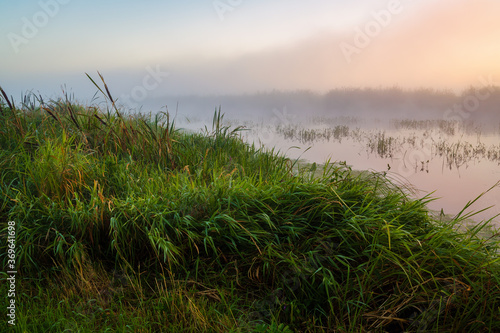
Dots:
pixel 127 224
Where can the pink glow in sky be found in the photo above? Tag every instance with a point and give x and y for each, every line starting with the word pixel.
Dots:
pixel 247 46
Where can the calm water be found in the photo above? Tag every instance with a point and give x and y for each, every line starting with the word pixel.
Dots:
pixel 454 160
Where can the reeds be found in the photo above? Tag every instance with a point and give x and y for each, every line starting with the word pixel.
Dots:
pixel 437 138
pixel 213 234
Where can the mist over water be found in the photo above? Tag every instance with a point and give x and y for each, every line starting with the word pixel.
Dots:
pixel 439 142
pixel 375 104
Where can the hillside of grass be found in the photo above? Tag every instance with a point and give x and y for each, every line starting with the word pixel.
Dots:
pixel 125 223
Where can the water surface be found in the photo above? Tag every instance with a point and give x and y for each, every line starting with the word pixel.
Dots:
pixel 451 160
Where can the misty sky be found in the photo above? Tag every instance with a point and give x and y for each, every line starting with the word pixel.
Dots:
pixel 237 46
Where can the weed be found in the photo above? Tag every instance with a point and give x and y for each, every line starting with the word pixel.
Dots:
pixel 142 227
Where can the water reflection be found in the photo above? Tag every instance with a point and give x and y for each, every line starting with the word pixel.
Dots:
pixel 456 145
pixel 456 161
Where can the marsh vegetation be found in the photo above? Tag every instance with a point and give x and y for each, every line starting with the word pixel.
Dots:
pixel 126 223
pixel 448 157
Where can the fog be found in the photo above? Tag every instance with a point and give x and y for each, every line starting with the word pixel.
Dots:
pixel 474 104
pixel 438 46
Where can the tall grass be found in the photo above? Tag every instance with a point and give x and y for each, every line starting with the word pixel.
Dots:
pixel 141 226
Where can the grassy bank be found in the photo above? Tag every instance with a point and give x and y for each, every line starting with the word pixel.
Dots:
pixel 127 224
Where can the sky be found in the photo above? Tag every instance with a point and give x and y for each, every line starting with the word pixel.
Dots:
pixel 149 48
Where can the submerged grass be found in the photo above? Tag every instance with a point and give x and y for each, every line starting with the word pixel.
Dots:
pixel 126 223
pixel 442 139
